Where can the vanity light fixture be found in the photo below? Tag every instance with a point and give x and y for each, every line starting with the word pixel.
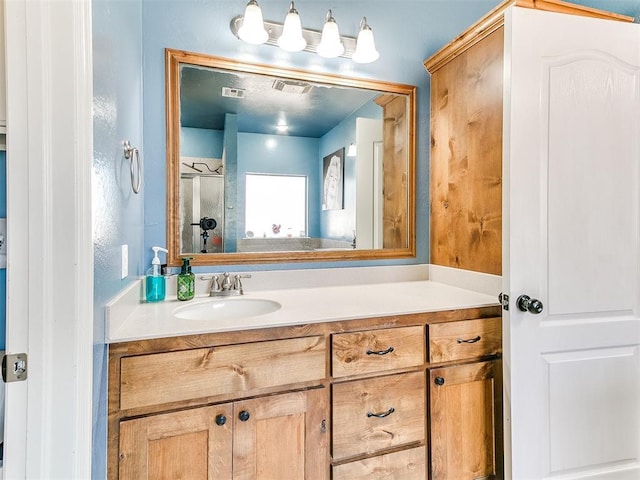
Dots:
pixel 330 44
pixel 291 37
pixel 252 29
pixel 366 47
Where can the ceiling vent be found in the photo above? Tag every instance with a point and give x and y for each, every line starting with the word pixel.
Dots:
pixel 291 86
pixel 232 92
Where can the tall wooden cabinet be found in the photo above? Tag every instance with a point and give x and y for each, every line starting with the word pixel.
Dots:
pixel 467 85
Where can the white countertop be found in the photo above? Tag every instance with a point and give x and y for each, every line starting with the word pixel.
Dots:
pixel 298 306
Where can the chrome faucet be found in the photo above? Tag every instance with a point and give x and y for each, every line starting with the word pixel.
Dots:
pixel 228 286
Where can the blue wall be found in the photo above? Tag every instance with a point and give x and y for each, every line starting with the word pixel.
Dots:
pixel 201 142
pixel 117 211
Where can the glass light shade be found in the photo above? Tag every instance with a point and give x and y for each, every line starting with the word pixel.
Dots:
pixel 330 45
pixel 252 30
pixel 291 39
pixel 351 151
pixel 365 45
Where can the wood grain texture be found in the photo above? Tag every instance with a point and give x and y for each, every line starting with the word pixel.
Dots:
pixel 395 191
pixel 186 444
pixel 284 437
pixel 407 464
pixel 463 340
pixel 168 377
pixel 466 159
pixel 354 432
pixel 389 349
pixel 464 413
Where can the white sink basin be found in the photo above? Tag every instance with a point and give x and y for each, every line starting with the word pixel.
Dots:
pixel 226 309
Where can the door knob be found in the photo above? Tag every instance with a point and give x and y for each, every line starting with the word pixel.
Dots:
pixel 243 416
pixel 221 420
pixel 527 304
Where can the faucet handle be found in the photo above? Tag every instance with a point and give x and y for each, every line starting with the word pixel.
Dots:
pixel 237 284
pixel 215 284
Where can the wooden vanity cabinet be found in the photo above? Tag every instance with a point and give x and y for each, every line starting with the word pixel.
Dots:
pixel 348 400
pixel 279 436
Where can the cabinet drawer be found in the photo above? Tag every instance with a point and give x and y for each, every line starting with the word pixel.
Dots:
pixel 406 464
pixel 378 413
pixel 465 339
pixel 377 350
pixel 234 369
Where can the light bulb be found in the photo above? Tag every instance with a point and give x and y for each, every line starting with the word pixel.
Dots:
pixel 365 46
pixel 252 30
pixel 330 45
pixel 291 39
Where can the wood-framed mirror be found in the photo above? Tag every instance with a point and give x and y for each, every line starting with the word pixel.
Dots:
pixel 268 164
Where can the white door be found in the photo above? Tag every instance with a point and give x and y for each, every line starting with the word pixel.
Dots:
pixel 572 241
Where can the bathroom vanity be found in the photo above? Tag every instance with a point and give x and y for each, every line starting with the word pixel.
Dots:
pixel 413 394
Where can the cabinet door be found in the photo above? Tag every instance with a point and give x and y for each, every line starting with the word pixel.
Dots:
pixel 282 436
pixel 465 422
pixel 186 444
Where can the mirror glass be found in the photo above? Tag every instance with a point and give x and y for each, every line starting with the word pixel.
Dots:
pixel 266 164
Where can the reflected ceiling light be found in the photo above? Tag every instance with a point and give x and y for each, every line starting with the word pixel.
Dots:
pixel 351 151
pixel 291 39
pixel 330 44
pixel 365 48
pixel 252 30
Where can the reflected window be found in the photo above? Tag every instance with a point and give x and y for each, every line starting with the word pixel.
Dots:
pixel 275 206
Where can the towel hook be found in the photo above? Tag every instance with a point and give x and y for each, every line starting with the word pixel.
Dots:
pixel 133 155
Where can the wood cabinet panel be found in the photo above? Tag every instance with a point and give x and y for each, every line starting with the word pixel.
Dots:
pixel 466 339
pixel 465 412
pixel 378 413
pixel 466 159
pixel 205 372
pixel 407 464
pixel 285 436
pixel 370 351
pixel 395 172
pixel 185 444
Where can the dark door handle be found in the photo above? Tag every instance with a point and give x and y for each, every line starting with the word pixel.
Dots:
pixel 527 304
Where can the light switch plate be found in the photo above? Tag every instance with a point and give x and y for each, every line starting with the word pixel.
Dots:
pixel 124 255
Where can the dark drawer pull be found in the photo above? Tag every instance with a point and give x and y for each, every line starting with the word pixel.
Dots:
pixel 381 415
pixel 471 340
pixel 380 352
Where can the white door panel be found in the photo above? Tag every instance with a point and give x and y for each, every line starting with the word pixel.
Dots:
pixel 572 176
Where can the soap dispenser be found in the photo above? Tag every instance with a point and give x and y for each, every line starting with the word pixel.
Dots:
pixel 155 282
pixel 186 281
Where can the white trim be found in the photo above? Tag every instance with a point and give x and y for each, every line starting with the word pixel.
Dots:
pixel 50 251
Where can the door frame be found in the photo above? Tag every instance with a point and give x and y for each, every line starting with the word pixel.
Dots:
pixel 48 417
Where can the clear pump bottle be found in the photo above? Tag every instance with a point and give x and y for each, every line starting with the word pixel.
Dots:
pixel 186 281
pixel 155 283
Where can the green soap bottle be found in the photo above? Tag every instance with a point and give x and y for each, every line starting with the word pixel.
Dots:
pixel 186 281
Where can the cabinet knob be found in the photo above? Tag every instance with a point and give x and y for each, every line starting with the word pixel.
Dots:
pixel 439 381
pixel 243 416
pixel 221 420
